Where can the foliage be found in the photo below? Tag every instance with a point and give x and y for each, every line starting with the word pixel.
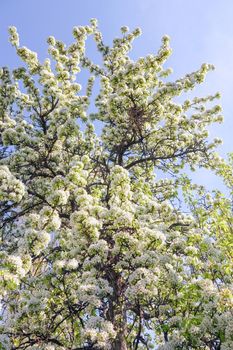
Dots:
pixel 97 251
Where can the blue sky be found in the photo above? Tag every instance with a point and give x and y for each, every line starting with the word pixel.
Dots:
pixel 200 31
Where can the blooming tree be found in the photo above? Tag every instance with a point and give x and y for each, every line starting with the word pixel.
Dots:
pixel 98 249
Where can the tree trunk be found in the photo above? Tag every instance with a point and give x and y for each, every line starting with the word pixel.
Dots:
pixel 117 312
pixel 120 342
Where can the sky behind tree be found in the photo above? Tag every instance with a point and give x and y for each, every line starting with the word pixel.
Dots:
pixel 200 31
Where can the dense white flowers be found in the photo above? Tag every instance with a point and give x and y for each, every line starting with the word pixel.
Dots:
pixel 58 197
pixel 11 189
pixel 12 269
pixel 14 37
pixel 96 251
pixel 100 332
pixel 49 219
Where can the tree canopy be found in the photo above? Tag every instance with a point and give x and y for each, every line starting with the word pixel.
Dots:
pixel 106 243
